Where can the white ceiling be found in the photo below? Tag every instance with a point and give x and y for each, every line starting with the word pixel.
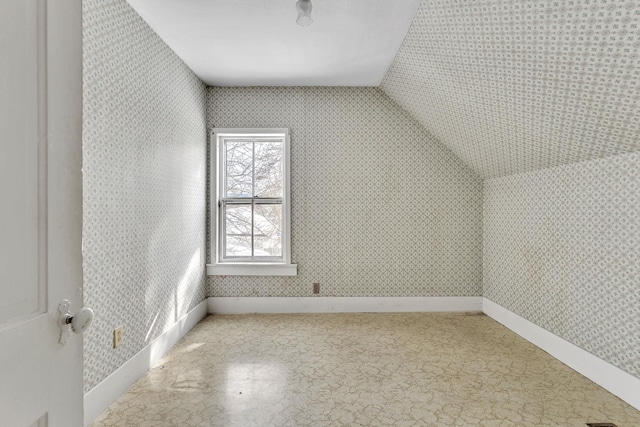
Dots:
pixel 258 43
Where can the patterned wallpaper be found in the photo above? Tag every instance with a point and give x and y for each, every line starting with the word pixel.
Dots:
pixel 379 207
pixel 515 86
pixel 562 249
pixel 144 149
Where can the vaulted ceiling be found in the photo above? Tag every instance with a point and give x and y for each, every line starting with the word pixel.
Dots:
pixel 513 86
pixel 508 85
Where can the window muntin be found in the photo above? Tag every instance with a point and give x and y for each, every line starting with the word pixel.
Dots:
pixel 251 231
pixel 253 205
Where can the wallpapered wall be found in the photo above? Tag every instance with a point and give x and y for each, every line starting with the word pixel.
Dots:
pixel 562 249
pixel 515 86
pixel 379 207
pixel 144 149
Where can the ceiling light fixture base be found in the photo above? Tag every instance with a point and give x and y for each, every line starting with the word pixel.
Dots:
pixel 304 8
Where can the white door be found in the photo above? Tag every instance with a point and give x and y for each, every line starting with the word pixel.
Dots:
pixel 40 210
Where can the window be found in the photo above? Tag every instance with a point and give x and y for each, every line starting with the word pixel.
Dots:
pixel 250 205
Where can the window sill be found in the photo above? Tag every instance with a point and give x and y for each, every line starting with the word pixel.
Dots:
pixel 257 269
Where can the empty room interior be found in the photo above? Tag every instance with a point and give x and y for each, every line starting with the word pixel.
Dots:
pixel 352 213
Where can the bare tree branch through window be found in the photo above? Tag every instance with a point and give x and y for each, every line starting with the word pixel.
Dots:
pixel 251 209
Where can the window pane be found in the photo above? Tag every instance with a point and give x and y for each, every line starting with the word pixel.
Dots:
pixel 268 172
pixel 267 227
pixel 237 230
pixel 239 165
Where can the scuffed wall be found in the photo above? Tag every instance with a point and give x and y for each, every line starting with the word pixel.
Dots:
pixel 562 249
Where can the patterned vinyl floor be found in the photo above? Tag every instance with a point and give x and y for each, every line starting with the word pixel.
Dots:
pixel 361 370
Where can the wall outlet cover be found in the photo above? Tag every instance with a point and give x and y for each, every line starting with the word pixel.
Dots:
pixel 117 337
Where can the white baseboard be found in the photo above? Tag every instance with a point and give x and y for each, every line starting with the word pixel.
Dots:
pixel 613 379
pixel 99 398
pixel 607 376
pixel 238 305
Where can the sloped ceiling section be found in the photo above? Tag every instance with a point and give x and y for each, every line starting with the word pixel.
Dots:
pixel 513 86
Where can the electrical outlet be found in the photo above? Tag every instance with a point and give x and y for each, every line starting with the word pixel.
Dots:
pixel 316 288
pixel 117 337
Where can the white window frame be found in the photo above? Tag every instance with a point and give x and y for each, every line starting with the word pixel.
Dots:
pixel 220 267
